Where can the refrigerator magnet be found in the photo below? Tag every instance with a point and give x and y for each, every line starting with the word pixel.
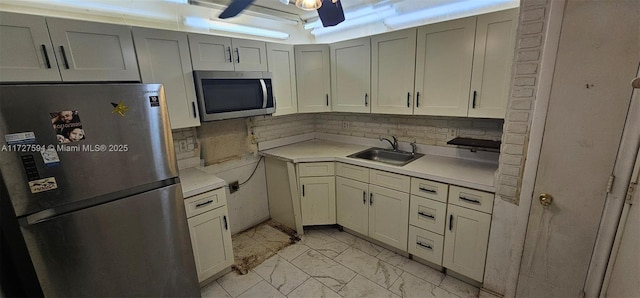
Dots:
pixel 27 137
pixel 119 108
pixel 50 157
pixel 67 126
pixel 41 185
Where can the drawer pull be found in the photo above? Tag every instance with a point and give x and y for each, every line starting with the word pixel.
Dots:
pixel 427 246
pixel 371 199
pixel 204 204
pixel 426 215
pixel 469 200
pixel 226 226
pixel 364 197
pixel 64 57
pixel 46 56
pixel 433 191
pixel 450 222
pixel 303 190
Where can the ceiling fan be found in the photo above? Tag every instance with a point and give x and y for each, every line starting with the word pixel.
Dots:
pixel 329 11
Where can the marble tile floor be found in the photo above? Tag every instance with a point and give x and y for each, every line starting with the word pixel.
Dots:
pixel 331 263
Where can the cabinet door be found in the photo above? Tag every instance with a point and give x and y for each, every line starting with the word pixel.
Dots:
pixel 465 241
pixel 492 60
pixel 209 52
pixel 313 78
pixel 211 242
pixel 249 55
pixel 281 64
pixel 351 75
pixel 352 200
pixel 164 58
pixel 26 53
pixel 389 216
pixel 444 57
pixel 318 200
pixel 393 62
pixel 88 51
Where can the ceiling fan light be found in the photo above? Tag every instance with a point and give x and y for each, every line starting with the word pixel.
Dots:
pixel 308 4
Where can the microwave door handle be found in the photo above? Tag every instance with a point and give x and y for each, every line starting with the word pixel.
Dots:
pixel 264 93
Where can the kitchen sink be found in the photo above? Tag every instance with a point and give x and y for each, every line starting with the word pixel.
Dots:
pixel 396 158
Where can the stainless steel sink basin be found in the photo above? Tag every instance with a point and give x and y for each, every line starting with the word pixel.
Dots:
pixel 396 158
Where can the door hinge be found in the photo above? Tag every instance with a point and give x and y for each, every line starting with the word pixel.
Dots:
pixel 610 183
pixel 631 191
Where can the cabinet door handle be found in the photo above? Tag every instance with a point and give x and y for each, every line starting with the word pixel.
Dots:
pixel 46 56
pixel 427 190
pixel 303 190
pixel 204 204
pixel 469 200
pixel 64 57
pixel 364 197
pixel 427 246
pixel 226 225
pixel 237 55
pixel 371 199
pixel 327 96
pixel 366 99
pixel 450 222
pixel 193 104
pixel 475 94
pixel 426 215
pixel 230 55
pixel 408 102
pixel 417 99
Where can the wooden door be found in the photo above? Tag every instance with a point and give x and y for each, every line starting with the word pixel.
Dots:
pixel 352 202
pixel 164 58
pixel 389 216
pixel 26 53
pixel 88 51
pixel 393 63
pixel 444 57
pixel 351 76
pixel 281 63
pixel 587 108
pixel 211 242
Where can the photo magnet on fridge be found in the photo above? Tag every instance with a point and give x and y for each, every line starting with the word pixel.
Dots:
pixel 67 126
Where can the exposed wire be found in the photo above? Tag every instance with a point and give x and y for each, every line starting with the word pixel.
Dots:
pixel 254 171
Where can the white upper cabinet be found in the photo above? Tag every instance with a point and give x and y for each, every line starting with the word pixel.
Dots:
pixel 26 53
pixel 313 78
pixel 38 49
pixel 492 61
pixel 351 76
pixel 209 52
pixel 281 62
pixel 392 72
pixel 444 57
pixel 164 58
pixel 88 51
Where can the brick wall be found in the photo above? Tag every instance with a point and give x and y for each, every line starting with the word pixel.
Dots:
pixel 529 41
pixel 266 128
pixel 428 130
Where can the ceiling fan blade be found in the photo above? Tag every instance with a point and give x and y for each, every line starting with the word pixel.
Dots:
pixel 330 13
pixel 234 8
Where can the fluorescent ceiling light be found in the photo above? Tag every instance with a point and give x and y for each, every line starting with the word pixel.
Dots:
pixel 234 28
pixel 375 15
pixel 442 10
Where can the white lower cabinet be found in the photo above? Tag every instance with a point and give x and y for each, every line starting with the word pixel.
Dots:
pixel 208 221
pixel 426 245
pixel 317 193
pixel 371 210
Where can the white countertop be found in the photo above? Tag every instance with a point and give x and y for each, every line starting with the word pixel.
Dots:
pixel 195 181
pixel 463 172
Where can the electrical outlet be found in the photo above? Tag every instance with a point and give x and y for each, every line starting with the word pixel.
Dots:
pixel 346 124
pixel 234 186
pixel 453 132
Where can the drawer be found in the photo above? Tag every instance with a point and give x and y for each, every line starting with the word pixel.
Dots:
pixel 205 201
pixel 316 169
pixel 471 198
pixel 426 245
pixel 390 180
pixel 429 189
pixel 427 214
pixel 353 172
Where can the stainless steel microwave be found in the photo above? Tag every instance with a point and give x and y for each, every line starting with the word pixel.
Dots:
pixel 233 94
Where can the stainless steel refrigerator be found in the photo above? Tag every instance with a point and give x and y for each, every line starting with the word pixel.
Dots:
pixel 91 200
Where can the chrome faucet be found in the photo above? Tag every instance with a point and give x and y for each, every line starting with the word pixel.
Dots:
pixel 394 144
pixel 414 148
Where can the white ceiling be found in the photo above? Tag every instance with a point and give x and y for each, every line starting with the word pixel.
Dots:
pixel 363 17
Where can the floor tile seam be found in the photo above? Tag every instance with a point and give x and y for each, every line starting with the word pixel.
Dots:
pixel 294 266
pixel 437 286
pixel 375 283
pixel 356 273
pixel 346 283
pixel 294 289
pixel 251 287
pixel 225 290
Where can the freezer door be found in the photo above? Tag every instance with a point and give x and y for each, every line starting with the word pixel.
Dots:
pixel 136 246
pixel 107 138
